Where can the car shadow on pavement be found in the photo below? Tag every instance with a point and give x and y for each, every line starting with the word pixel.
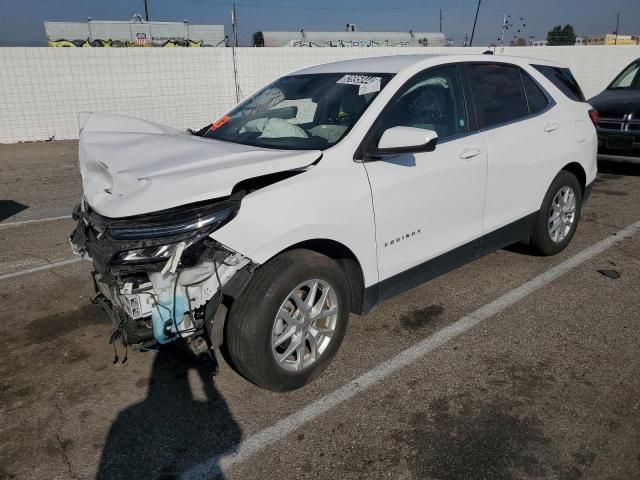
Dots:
pixel 173 428
pixel 9 208
pixel 619 168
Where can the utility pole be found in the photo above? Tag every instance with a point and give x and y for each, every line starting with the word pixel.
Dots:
pixel 466 39
pixel 234 45
pixel 234 25
pixel 440 20
pixel 507 23
pixel 474 23
pixel 617 27
pixel 504 26
pixel 146 10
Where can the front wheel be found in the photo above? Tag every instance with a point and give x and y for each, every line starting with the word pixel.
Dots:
pixel 287 325
pixel 558 217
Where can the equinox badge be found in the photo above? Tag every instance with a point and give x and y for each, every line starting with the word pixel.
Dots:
pixel 403 237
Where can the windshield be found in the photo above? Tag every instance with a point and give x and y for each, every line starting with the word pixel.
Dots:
pixel 301 112
pixel 629 78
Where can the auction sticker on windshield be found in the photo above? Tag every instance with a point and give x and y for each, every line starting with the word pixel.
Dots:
pixel 367 83
pixel 221 121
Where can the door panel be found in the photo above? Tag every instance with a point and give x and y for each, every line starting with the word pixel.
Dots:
pixel 517 127
pixel 517 168
pixel 427 203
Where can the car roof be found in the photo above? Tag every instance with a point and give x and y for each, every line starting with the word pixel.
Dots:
pixel 398 63
pixel 384 64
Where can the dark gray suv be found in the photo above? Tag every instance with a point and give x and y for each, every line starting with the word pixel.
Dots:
pixel 618 109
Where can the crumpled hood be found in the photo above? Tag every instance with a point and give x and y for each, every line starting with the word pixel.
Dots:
pixel 131 166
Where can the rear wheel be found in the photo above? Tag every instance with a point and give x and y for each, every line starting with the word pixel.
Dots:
pixel 558 217
pixel 287 325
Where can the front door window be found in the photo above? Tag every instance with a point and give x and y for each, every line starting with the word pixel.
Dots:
pixel 433 100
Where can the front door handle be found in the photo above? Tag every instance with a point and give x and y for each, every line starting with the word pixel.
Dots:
pixel 550 127
pixel 470 153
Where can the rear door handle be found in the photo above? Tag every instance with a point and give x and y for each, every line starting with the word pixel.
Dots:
pixel 550 127
pixel 470 153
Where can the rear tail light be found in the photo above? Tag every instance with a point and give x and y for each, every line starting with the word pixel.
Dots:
pixel 595 118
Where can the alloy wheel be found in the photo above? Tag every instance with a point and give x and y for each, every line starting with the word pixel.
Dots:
pixel 304 325
pixel 562 214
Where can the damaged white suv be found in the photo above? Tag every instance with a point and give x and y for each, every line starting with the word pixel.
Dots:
pixel 328 191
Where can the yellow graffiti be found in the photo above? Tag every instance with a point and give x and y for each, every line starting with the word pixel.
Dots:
pixel 60 43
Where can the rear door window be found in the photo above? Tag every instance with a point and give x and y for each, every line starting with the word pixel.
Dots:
pixel 498 93
pixel 563 79
pixel 536 98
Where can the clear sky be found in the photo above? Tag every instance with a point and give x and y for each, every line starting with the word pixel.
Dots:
pixel 21 21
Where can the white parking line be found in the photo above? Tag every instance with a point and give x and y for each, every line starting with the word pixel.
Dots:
pixel 35 220
pixel 47 266
pixel 260 440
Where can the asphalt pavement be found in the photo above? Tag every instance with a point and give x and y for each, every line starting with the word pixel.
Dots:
pixel 513 366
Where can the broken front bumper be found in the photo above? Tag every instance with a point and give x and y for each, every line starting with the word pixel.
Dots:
pixel 158 288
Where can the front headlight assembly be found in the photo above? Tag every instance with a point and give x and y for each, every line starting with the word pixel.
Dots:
pixel 173 224
pixel 154 238
pixel 145 255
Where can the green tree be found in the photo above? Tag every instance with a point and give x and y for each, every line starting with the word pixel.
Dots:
pixel 560 35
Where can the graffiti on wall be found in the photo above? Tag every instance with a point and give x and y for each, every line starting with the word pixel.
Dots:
pixel 139 42
pixel 348 43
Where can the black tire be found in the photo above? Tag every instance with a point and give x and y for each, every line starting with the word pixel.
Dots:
pixel 250 323
pixel 541 240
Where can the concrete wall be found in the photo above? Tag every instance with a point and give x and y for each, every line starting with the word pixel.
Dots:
pixel 43 89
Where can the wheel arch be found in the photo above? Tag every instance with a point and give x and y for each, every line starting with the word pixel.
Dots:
pixel 340 253
pixel 346 260
pixel 578 170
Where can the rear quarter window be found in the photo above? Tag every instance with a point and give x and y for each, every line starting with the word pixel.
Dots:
pixel 563 79
pixel 536 98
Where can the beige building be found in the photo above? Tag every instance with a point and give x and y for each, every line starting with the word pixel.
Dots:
pixel 610 39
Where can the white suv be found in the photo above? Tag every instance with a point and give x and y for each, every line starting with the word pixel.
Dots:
pixel 328 191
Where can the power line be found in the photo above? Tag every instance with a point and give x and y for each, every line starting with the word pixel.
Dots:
pixel 458 5
pixel 305 7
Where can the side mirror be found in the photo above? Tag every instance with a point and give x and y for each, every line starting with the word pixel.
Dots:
pixel 406 140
